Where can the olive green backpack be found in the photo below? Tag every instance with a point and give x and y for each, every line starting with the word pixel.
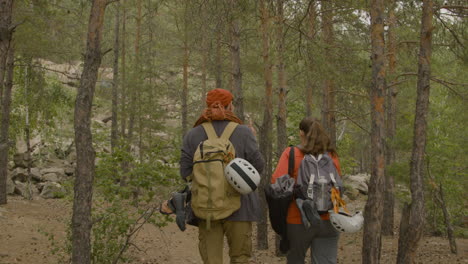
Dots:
pixel 213 198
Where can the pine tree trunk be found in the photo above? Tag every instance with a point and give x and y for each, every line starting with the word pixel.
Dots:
pixel 409 238
pixel 328 102
pixel 236 65
pixel 135 91
pixel 6 51
pixel 5 125
pixel 123 81
pixel 372 238
pixel 6 10
pixel 282 138
pixel 267 126
pixel 310 60
pixel 185 74
pixel 389 198
pixel 218 57
pixel 81 218
pixel 440 197
pixel 115 83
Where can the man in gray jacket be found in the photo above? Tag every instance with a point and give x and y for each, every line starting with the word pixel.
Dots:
pixel 238 226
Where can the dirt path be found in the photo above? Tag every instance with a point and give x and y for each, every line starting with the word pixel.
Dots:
pixel 24 225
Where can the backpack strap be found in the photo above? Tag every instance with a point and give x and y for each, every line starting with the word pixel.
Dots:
pixel 228 130
pixel 209 129
pixel 291 161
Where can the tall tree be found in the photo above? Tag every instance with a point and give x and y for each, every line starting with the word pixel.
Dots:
pixel 372 238
pixel 413 218
pixel 115 83
pixel 185 66
pixel 281 117
pixel 236 61
pixel 83 190
pixel 328 102
pixel 282 137
pixel 4 127
pixel 123 79
pixel 6 51
pixel 267 125
pixel 389 197
pixel 312 17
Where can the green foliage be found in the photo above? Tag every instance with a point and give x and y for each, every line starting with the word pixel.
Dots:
pixel 119 176
pixel 47 101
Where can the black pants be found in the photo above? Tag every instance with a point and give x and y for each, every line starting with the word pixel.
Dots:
pixel 322 241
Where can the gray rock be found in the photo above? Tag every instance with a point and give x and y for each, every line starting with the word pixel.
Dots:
pixel 59 171
pixel 19 174
pixel 36 174
pixel 363 188
pixel 52 190
pixel 50 177
pixel 352 193
pixel 21 160
pixel 69 171
pixel 22 189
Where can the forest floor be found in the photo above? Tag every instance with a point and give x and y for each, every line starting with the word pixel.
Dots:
pixel 26 228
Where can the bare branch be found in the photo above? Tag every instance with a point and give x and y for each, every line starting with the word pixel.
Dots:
pixel 447 85
pixel 449 29
pixel 111 1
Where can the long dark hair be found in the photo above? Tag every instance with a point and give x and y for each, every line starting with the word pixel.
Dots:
pixel 317 140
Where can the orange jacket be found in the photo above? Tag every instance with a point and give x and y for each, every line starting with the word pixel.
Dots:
pixel 294 216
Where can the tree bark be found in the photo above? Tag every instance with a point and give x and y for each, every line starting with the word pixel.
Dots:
pixel 6 51
pixel 115 83
pixel 282 135
pixel 218 56
pixel 389 196
pixel 185 74
pixel 123 81
pixel 310 60
pixel 5 125
pixel 267 125
pixel 372 238
pixel 409 239
pixel 83 190
pixel 236 64
pixel 441 200
pixel 135 92
pixel 328 102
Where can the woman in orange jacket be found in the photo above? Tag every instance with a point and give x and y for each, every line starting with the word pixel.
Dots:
pixel 322 239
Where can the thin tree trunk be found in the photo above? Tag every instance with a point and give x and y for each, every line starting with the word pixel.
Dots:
pixel 440 197
pixel 81 218
pixel 267 126
pixel 218 55
pixel 185 74
pixel 282 139
pixel 310 62
pixel 6 9
pixel 5 125
pixel 409 238
pixel 27 130
pixel 372 238
pixel 135 92
pixel 236 64
pixel 115 84
pixel 328 102
pixel 123 83
pixel 389 198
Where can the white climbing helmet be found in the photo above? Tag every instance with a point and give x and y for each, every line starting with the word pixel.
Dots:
pixel 343 222
pixel 242 175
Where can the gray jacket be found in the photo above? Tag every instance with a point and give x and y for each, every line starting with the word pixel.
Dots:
pixel 246 147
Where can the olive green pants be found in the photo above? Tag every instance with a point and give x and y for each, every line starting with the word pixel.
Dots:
pixel 211 241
